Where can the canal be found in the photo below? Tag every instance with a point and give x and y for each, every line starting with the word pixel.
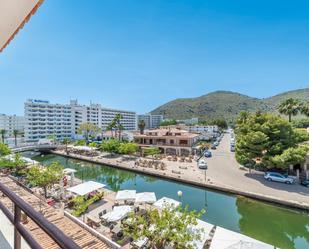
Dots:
pixel 285 228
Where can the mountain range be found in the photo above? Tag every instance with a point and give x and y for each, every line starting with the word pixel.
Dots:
pixel 224 104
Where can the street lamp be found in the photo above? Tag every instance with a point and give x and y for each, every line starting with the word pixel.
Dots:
pixel 179 193
pixel 205 175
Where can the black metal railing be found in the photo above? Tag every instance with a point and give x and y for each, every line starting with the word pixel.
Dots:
pixel 20 231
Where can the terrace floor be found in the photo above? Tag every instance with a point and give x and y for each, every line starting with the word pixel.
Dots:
pixel 78 234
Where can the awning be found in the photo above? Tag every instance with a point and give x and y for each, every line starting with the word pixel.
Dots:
pixel 226 239
pixel 86 148
pixel 26 160
pixel 203 229
pixel 145 197
pixel 13 16
pixel 166 202
pixel 86 188
pixel 124 195
pixel 68 171
pixel 118 213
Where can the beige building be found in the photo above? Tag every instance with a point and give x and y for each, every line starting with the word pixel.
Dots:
pixel 170 141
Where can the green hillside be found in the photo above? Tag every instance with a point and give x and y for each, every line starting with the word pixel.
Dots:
pixel 224 104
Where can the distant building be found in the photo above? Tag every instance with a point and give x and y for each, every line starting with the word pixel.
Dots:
pixel 44 119
pixel 168 140
pixel 190 121
pixel 207 131
pixel 9 123
pixel 151 120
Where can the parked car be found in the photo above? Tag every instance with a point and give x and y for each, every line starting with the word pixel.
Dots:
pixel 202 164
pixel 216 143
pixel 208 153
pixel 305 183
pixel 232 148
pixel 277 177
pixel 213 147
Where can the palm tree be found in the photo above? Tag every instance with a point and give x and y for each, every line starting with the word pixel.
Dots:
pixel 66 141
pixel 290 107
pixel 120 129
pixel 141 126
pixel 15 134
pixel 118 124
pixel 305 109
pixel 3 132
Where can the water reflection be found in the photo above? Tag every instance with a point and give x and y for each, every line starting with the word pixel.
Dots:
pixel 272 224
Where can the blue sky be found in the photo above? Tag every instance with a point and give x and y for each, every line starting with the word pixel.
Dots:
pixel 138 54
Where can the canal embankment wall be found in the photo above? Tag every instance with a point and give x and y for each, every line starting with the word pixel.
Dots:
pixel 182 179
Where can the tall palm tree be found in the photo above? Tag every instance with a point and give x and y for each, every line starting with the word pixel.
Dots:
pixel 66 142
pixel 3 132
pixel 290 107
pixel 141 126
pixel 118 125
pixel 15 134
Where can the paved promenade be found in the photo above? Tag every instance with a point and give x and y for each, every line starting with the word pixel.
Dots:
pixel 223 173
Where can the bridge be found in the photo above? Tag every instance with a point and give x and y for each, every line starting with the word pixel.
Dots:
pixel 34 147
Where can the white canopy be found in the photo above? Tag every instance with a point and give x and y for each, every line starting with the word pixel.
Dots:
pixel 124 195
pixel 145 197
pixel 166 202
pixel 203 229
pixel 118 213
pixel 86 187
pixel 69 171
pixel 26 160
pixel 86 148
pixel 226 239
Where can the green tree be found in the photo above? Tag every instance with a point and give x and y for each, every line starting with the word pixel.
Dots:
pixel 88 129
pixel 221 123
pixel 168 122
pixel 243 117
pixel 304 109
pixel 111 146
pixel 152 151
pixel 141 126
pixel 291 156
pixel 45 176
pixel 128 148
pixel 166 228
pixel 4 150
pixel 264 135
pixel 80 143
pixel 93 145
pixel 66 142
pixel 251 146
pixel 290 107
pixel 2 132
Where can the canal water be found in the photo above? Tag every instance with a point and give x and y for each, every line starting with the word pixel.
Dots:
pixel 285 228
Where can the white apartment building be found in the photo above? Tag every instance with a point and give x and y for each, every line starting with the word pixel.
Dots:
pixel 9 123
pixel 151 120
pixel 203 128
pixel 44 119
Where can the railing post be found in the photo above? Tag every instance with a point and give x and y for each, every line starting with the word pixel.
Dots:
pixel 17 237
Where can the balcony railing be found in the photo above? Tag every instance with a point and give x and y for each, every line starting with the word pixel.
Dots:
pixel 20 231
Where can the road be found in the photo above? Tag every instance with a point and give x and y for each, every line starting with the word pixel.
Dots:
pixel 224 170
